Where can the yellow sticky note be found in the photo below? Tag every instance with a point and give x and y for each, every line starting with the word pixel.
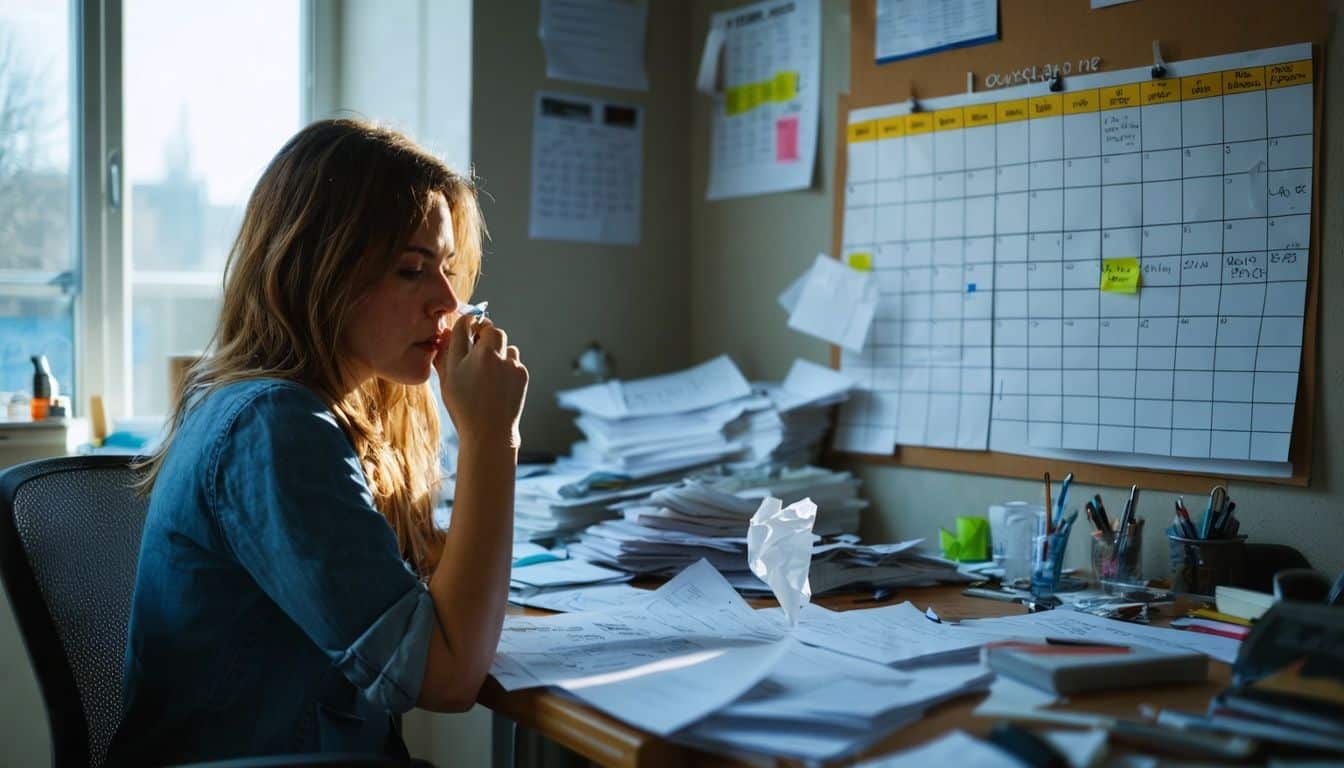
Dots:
pixel 861 261
pixel 1120 275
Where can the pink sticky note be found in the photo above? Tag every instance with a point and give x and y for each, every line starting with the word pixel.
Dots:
pixel 786 139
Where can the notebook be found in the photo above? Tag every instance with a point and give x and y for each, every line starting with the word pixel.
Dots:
pixel 1069 668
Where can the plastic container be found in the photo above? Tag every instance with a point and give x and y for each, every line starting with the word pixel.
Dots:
pixel 1012 527
pixel 1199 565
pixel 1113 571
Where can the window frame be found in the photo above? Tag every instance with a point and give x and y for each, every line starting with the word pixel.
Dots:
pixel 101 224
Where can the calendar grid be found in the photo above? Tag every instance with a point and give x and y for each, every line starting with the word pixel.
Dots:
pixel 1202 179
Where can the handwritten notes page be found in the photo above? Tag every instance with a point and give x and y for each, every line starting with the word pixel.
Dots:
pixel 1122 265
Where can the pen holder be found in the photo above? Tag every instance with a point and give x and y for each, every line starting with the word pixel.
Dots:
pixel 1047 552
pixel 1199 565
pixel 1115 569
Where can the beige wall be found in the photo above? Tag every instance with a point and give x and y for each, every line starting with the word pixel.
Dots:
pixel 553 297
pixel 745 251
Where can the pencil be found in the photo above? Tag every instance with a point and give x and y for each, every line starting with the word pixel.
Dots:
pixel 1049 528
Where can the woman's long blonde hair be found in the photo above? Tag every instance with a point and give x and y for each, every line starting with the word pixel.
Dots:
pixel 327 219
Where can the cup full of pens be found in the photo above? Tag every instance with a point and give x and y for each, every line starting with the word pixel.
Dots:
pixel 1211 552
pixel 1117 545
pixel 1048 547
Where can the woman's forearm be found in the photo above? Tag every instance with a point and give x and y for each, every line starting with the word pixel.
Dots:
pixel 470 586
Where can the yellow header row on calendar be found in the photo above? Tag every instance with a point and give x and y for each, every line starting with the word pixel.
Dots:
pixel 1146 93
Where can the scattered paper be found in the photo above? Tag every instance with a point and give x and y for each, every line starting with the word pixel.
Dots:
pixel 564 573
pixel 895 634
pixel 955 748
pixel 789 298
pixel 693 646
pixel 810 384
pixel 604 597
pixel 818 705
pixel 779 549
pixel 837 304
pixel 708 384
pixel 595 41
pixel 1076 625
pixel 764 130
pixel 587 170
pixel 908 28
pixel 1009 697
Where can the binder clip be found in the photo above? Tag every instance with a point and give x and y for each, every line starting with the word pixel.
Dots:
pixel 1159 69
pixel 913 103
pixel 1057 82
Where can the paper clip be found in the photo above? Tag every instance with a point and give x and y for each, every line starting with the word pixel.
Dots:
pixel 1159 69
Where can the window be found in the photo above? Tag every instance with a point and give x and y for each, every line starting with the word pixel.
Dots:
pixel 175 108
pixel 38 259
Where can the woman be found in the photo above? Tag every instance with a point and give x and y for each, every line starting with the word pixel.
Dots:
pixel 292 593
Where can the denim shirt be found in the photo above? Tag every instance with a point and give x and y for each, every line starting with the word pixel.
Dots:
pixel 273 612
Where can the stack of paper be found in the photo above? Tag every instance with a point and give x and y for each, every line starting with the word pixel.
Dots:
pixel 556 505
pixel 661 424
pixel 791 432
pixel 707 517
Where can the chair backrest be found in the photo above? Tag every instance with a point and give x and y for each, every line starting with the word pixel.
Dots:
pixel 70 533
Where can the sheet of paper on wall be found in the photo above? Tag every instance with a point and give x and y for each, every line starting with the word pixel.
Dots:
pixel 595 41
pixel 587 170
pixel 836 304
pixel 908 28
pixel 764 129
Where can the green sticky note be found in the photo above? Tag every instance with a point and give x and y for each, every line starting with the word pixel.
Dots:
pixel 1120 275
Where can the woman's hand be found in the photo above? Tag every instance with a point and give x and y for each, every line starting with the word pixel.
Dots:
pixel 483 382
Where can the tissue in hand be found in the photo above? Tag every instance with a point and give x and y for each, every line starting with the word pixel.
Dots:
pixel 779 551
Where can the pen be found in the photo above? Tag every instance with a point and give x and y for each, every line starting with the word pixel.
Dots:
pixel 1101 513
pixel 1063 494
pixel 1126 517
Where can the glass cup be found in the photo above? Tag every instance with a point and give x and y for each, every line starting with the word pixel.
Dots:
pixel 1115 570
pixel 1011 532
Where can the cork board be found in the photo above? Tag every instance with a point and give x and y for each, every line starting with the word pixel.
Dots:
pixel 1043 33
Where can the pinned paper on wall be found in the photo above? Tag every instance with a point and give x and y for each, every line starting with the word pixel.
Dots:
pixel 764 130
pixel 595 41
pixel 836 303
pixel 587 170
pixel 1120 275
pixel 907 28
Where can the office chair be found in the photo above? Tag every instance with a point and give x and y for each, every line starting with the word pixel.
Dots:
pixel 70 533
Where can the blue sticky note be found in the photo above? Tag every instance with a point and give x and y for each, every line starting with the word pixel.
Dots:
pixel 970 287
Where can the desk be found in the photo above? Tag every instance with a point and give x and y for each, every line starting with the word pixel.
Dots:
pixel 609 742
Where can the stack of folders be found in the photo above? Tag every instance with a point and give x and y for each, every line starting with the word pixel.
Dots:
pixel 1069 668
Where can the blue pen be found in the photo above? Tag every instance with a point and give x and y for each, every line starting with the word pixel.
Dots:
pixel 1063 494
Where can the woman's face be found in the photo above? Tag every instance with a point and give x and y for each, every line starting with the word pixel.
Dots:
pixel 404 318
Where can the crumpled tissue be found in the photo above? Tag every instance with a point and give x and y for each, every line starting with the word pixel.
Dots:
pixel 779 551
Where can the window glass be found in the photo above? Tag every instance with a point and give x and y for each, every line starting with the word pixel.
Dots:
pixel 37 244
pixel 212 90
